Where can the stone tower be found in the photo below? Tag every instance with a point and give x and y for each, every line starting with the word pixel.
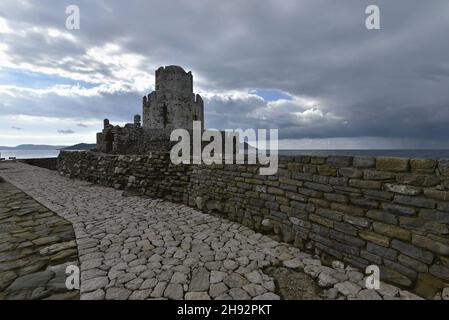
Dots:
pixel 173 105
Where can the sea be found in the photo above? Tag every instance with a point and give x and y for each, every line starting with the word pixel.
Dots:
pixel 416 153
pixel 29 154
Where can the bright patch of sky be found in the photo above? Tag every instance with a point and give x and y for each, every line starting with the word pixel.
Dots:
pixel 272 94
pixel 36 80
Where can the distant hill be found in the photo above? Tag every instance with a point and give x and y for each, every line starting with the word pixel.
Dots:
pixel 32 147
pixel 80 146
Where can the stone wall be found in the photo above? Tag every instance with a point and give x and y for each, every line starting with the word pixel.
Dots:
pixel 47 163
pixel 393 212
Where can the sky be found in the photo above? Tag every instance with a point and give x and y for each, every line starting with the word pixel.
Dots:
pixel 310 68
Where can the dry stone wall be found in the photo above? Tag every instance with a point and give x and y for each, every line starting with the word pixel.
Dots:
pixel 392 212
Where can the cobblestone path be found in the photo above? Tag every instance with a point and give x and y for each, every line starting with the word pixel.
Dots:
pixel 36 245
pixel 139 248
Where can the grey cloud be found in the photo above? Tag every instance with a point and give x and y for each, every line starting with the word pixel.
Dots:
pixel 390 83
pixel 16 128
pixel 69 131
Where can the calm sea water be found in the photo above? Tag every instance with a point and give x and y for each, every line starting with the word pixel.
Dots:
pixel 29 154
pixel 431 154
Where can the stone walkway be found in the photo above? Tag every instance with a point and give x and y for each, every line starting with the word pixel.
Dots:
pixel 36 245
pixel 139 248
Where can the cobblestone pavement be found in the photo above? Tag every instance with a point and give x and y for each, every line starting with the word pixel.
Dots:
pixel 139 248
pixel 35 247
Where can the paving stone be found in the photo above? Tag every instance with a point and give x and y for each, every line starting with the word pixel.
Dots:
pixel 179 277
pixel 254 277
pixel 117 294
pixel 94 284
pixel 197 296
pixel 293 263
pixel 217 289
pixel 239 294
pixel 158 290
pixel 347 288
pixel 326 280
pixel 388 290
pixel 254 289
pixel 174 291
pixel 267 296
pixel 200 280
pixel 235 280
pixel 98 294
pixel 368 294
pixel 140 294
pixel 33 280
pixel 217 276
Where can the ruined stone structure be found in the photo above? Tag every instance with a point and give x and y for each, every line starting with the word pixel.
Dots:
pixel 173 105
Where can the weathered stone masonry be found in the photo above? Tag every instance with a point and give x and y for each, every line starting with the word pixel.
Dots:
pixel 393 212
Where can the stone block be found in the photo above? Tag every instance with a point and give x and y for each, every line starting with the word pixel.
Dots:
pixel 440 271
pixel 434 215
pixel 408 272
pixel 382 216
pixel 357 221
pixel 340 161
pixel 350 172
pixel 421 180
pixel 398 209
pixel 388 253
pixel 320 220
pixel 437 194
pixel 430 244
pixel 368 184
pixel 443 167
pixel 402 189
pixel 423 165
pixel 392 164
pixel 329 214
pixel 377 175
pixel 352 210
pixel 327 170
pixel 392 231
pixel 415 201
pixel 375 238
pixel 413 251
pixel 422 226
pixel 346 228
pixel 413 263
pixel 318 186
pixel 364 162
pixel 390 275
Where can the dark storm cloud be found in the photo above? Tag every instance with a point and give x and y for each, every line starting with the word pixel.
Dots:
pixel 389 83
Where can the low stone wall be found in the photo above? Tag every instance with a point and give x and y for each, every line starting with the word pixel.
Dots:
pixel 392 212
pixel 47 163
